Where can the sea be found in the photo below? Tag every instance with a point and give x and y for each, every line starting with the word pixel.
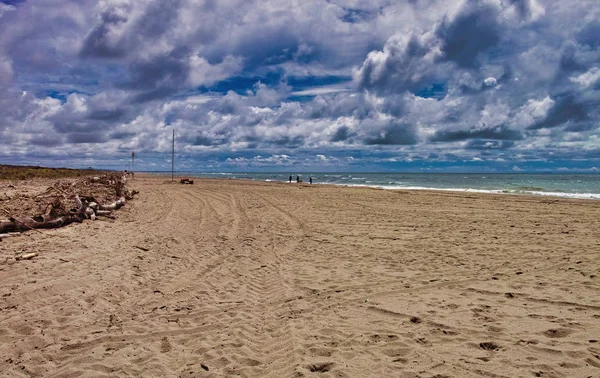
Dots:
pixel 585 186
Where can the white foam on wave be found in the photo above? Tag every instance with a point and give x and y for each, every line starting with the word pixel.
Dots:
pixel 595 196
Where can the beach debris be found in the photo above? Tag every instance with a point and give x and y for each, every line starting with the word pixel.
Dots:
pixel 9 235
pixel 204 367
pixel 415 319
pixel 59 211
pixel 320 367
pixel 489 346
pixel 27 256
pixel 186 180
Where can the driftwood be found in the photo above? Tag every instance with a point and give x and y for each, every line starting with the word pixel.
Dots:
pixel 113 206
pixel 27 256
pixel 86 208
pixel 10 234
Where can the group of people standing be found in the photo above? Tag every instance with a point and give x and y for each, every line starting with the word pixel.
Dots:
pixel 298 179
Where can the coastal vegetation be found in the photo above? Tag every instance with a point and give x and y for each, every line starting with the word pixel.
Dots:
pixel 18 172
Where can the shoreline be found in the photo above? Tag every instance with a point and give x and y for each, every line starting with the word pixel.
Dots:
pixel 501 192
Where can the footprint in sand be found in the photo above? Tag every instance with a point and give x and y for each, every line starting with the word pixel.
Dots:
pixel 320 367
pixel 557 333
pixel 165 345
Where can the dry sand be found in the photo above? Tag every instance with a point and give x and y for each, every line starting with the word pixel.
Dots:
pixel 225 278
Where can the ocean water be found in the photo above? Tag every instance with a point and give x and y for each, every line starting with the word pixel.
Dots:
pixel 562 185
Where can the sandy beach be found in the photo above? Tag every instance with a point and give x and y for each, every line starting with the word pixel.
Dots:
pixel 253 279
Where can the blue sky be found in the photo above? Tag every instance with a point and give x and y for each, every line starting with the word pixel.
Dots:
pixel 377 85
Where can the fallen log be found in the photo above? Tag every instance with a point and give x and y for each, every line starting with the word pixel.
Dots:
pixel 27 256
pixel 113 206
pixel 33 223
pixel 16 222
pixel 10 234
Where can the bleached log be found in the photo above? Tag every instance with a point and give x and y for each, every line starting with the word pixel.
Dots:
pixel 130 193
pixel 27 256
pixel 113 206
pixel 10 235
pixel 79 203
pixel 89 213
pixel 103 213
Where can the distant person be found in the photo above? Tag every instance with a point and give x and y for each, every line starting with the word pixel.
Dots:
pixel 310 180
pixel 298 178
pixel 290 178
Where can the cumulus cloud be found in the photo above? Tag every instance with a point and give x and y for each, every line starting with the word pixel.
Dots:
pixel 259 81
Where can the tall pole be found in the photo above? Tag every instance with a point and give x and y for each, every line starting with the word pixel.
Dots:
pixel 173 158
pixel 132 164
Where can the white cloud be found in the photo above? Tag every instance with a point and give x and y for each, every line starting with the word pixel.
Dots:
pixel 203 73
pixel 588 78
pixel 532 111
pixel 323 90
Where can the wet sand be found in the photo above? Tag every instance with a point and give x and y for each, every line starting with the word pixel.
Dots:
pixel 225 278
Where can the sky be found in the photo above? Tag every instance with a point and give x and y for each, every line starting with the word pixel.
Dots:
pixel 320 85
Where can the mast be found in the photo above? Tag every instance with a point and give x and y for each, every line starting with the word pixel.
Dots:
pixel 173 158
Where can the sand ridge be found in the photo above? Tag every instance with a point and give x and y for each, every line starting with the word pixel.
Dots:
pixel 239 278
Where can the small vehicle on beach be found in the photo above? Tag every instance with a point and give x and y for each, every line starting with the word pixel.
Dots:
pixel 186 180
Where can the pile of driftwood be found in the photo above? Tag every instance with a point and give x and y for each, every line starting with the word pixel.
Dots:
pixel 66 206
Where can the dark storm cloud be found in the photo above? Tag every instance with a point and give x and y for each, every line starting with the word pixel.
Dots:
pixel 568 61
pixel 113 38
pixel 499 133
pixel 203 140
pixel 121 135
pixel 160 76
pixel 566 110
pixel 525 8
pixel 399 68
pixel 590 34
pixel 88 137
pixel 159 17
pixel 98 44
pixel 47 141
pixel 353 15
pixel 471 33
pixel 394 135
pixel 108 115
pixel 286 141
pixel 341 134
